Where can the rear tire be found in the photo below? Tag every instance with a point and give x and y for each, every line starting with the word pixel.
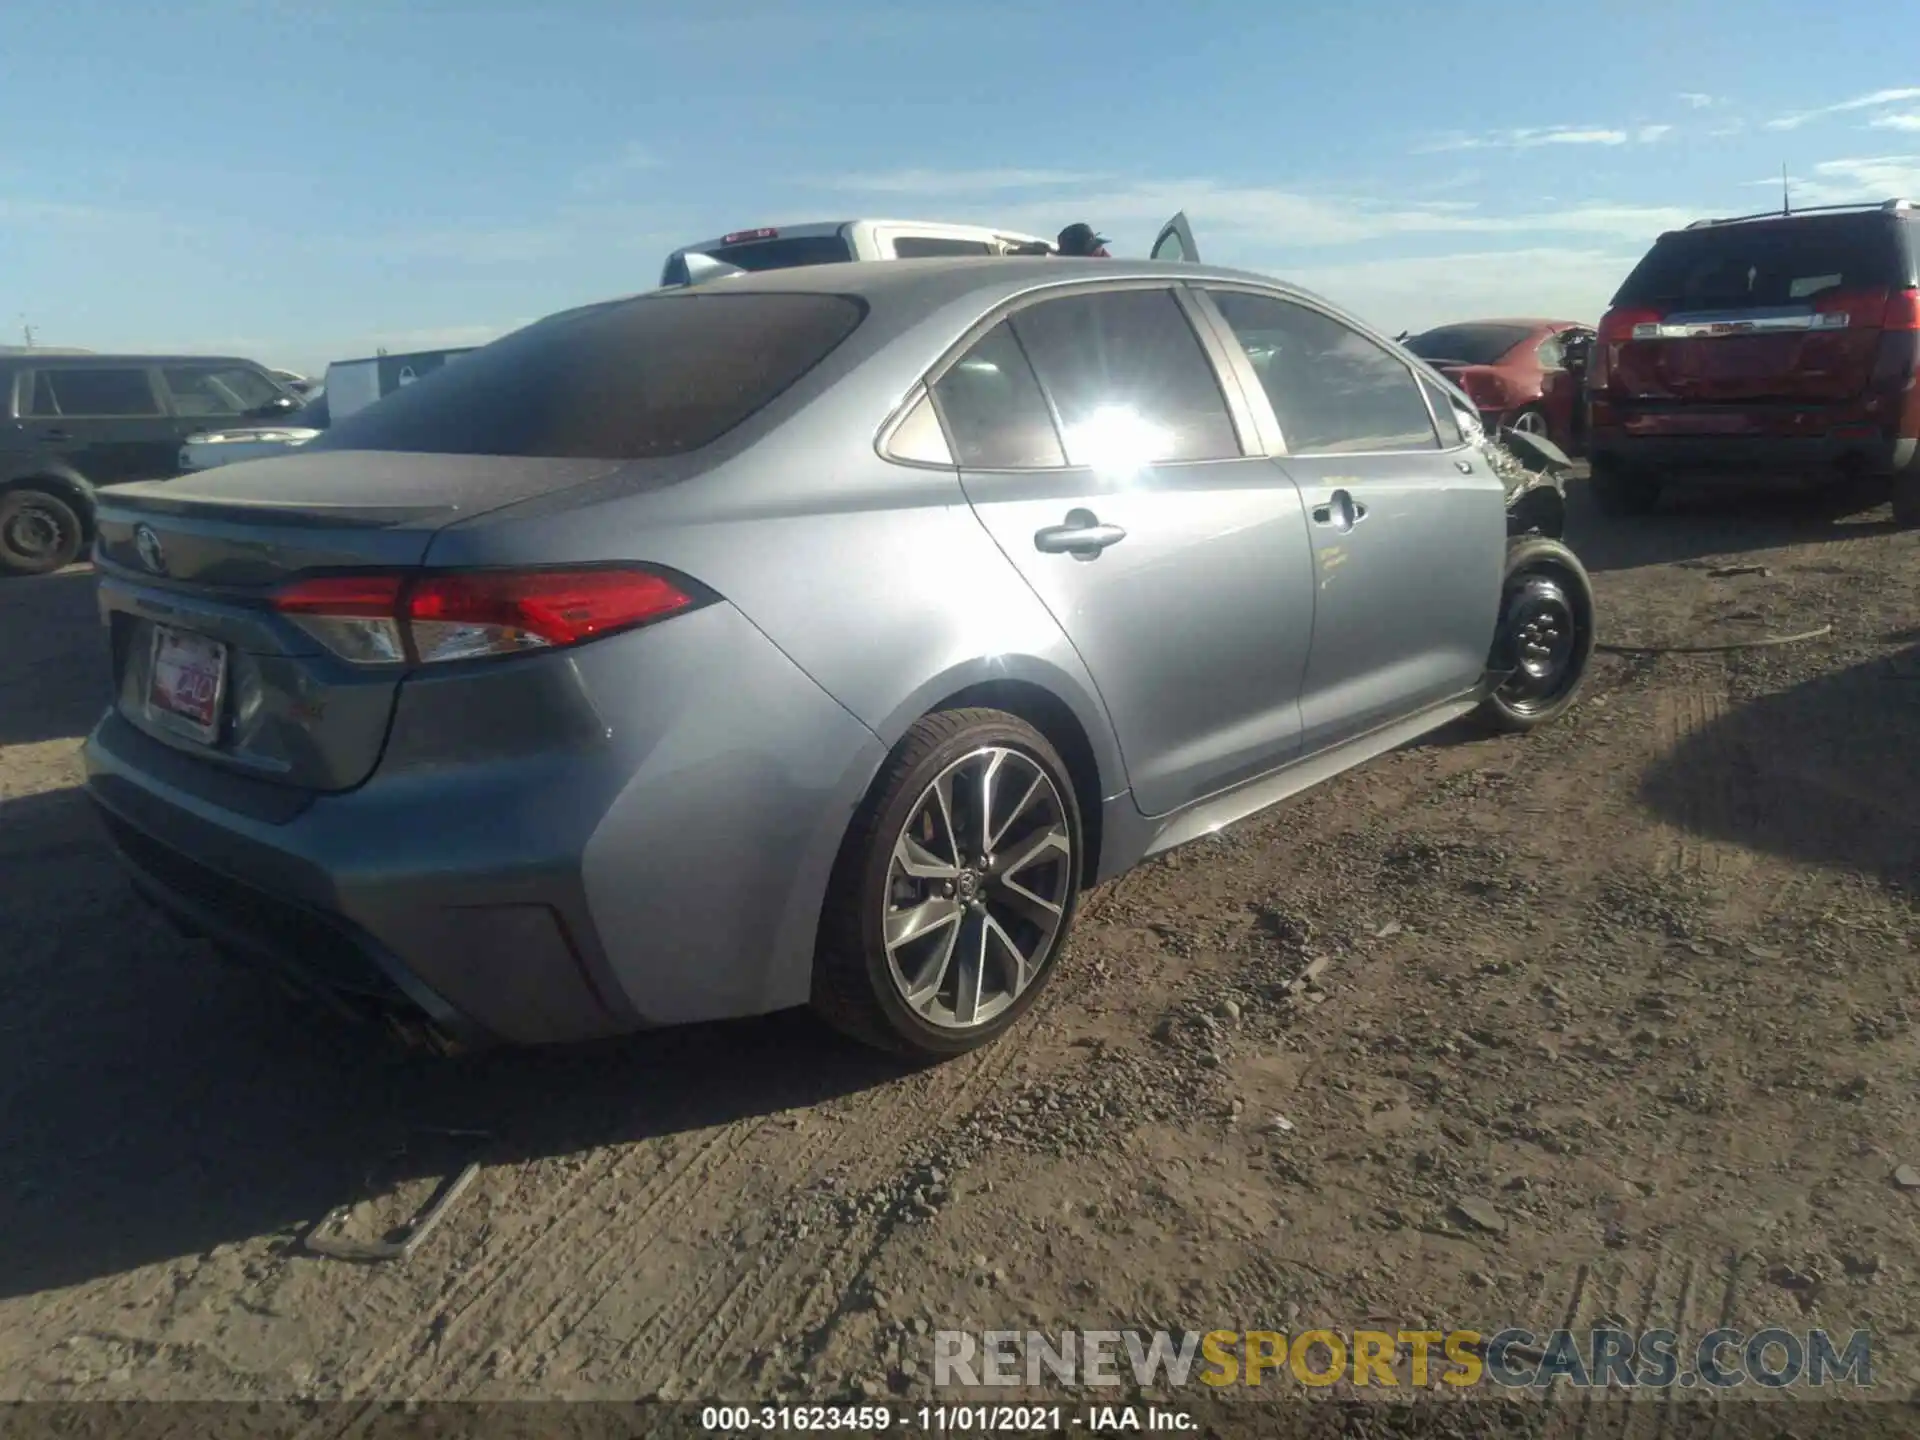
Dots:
pixel 1619 492
pixel 972 944
pixel 1906 500
pixel 1545 638
pixel 39 532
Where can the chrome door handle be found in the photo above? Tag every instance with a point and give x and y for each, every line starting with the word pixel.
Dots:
pixel 1341 511
pixel 1083 536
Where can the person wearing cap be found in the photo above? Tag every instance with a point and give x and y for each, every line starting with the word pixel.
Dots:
pixel 1079 239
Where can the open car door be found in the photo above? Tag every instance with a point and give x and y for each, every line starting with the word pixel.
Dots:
pixel 1175 241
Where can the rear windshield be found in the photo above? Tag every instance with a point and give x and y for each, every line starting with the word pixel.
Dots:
pixel 1761 264
pixel 658 375
pixel 1467 344
pixel 785 254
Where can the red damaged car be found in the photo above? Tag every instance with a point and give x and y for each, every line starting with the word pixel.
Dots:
pixel 1521 374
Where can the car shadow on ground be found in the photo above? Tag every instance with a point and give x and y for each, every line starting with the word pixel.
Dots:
pixel 1824 773
pixel 56 679
pixel 159 1104
pixel 1695 522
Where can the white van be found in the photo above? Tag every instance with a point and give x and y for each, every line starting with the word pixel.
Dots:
pixel 828 242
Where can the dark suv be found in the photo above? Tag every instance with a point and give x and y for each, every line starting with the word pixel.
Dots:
pixel 1769 344
pixel 71 423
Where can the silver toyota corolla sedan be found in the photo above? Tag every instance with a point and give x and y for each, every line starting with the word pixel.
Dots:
pixel 813 637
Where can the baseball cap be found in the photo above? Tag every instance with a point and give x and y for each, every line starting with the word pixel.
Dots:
pixel 1079 239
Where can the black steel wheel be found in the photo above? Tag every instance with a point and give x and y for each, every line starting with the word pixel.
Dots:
pixel 39 532
pixel 1544 642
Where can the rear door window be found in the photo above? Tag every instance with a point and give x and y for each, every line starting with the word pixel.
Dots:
pixel 1761 264
pixel 658 375
pixel 1446 413
pixel 993 408
pixel 99 393
pixel 1128 377
pixel 1333 390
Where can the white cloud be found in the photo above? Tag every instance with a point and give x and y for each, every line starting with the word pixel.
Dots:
pixel 1865 179
pixel 1275 216
pixel 1527 139
pixel 1694 100
pixel 1732 127
pixel 604 175
pixel 1647 134
pixel 948 182
pixel 1898 120
pixel 60 214
pixel 1873 101
pixel 1552 282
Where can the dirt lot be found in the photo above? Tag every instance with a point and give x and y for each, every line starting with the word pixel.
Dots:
pixel 1640 992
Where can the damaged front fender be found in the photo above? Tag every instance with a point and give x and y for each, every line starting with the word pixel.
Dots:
pixel 1533 469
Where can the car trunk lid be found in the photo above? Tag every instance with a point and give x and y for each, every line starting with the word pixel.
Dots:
pixel 188 567
pixel 1786 311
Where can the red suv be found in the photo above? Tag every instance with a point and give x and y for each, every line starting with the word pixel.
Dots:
pixel 1770 344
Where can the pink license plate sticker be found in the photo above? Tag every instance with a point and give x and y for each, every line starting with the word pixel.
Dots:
pixel 188 681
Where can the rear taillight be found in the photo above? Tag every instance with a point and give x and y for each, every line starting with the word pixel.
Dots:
pixel 1616 327
pixel 458 617
pixel 355 616
pixel 430 617
pixel 1896 365
pixel 1619 325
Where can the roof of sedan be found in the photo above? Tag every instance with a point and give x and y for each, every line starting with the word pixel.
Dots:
pixel 950 277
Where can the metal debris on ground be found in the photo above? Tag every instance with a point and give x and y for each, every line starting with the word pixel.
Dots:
pixel 338 1247
pixel 1763 642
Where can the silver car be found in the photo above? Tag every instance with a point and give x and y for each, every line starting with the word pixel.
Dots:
pixel 811 637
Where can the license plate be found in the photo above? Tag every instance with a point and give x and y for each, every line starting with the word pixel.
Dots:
pixel 188 682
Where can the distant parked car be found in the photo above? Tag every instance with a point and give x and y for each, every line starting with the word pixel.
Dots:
pixel 296 382
pixel 813 636
pixel 1517 373
pixel 1768 345
pixel 70 424
pixel 229 443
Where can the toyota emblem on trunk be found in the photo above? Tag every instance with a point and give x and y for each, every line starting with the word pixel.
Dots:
pixel 148 544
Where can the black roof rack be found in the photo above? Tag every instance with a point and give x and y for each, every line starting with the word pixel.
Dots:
pixel 1887 205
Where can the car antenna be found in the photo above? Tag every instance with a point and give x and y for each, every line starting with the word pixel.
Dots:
pixel 1786 204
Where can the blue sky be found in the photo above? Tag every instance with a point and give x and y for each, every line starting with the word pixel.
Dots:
pixel 305 181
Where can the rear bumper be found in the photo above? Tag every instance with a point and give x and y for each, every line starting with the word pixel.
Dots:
pixel 666 866
pixel 1726 457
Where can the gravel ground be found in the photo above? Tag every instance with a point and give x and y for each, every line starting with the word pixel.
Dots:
pixel 1618 1019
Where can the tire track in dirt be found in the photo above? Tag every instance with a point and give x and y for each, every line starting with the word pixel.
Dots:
pixel 1693 714
pixel 503 1255
pixel 762 1302
pixel 579 1280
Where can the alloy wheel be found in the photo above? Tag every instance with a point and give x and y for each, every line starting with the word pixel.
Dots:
pixel 34 533
pixel 977 888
